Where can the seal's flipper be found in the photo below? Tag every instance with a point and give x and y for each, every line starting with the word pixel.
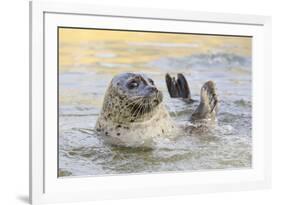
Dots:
pixel 184 90
pixel 208 106
pixel 170 82
pixel 178 88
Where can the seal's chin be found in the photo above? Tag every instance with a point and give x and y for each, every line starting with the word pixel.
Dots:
pixel 155 102
pixel 156 98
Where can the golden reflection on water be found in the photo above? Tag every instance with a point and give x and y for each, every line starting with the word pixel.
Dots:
pixel 86 47
pixel 89 58
pixel 108 52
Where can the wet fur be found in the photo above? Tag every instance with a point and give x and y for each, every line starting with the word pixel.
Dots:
pixel 134 118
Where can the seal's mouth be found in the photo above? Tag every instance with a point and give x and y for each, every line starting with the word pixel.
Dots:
pixel 141 108
pixel 155 102
pixel 141 105
pixel 145 106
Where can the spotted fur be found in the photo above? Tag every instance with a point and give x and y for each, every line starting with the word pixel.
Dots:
pixel 120 122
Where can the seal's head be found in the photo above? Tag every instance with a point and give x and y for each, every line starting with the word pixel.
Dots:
pixel 131 97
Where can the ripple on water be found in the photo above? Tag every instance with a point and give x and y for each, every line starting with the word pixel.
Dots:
pixel 228 146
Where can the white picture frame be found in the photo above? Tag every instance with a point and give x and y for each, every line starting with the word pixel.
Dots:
pixel 46 187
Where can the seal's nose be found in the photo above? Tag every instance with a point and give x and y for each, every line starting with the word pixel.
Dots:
pixel 153 88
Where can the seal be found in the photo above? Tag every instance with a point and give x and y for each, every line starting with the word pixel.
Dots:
pixel 133 114
pixel 208 107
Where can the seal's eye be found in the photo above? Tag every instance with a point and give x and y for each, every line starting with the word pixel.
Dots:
pixel 151 81
pixel 133 84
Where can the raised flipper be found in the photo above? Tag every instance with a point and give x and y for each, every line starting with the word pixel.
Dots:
pixel 178 88
pixel 208 107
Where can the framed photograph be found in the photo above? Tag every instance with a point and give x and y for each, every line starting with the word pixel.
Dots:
pixel 129 102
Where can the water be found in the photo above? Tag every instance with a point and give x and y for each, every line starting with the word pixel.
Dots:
pixel 89 61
